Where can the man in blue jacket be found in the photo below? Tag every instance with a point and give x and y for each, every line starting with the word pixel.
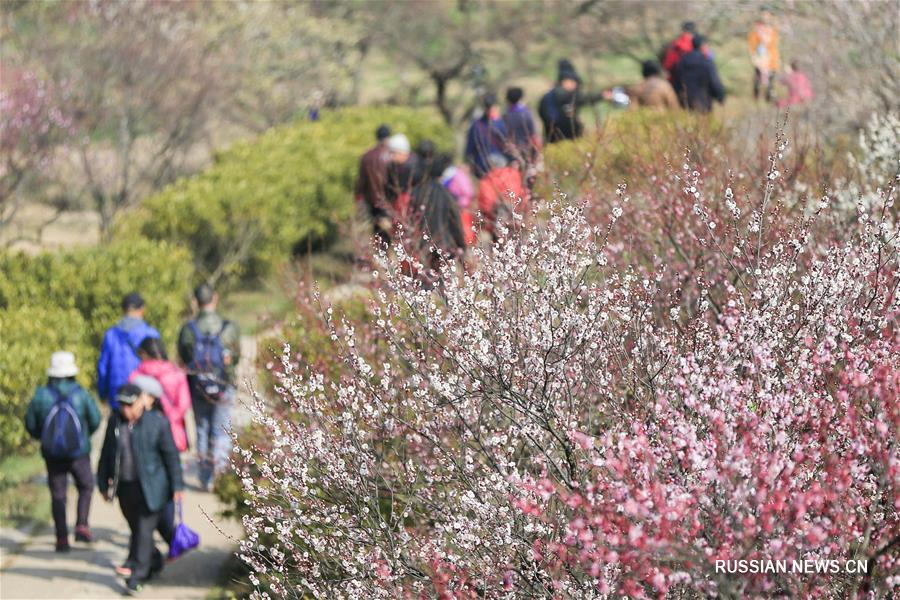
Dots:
pixel 487 135
pixel 118 355
pixel 62 404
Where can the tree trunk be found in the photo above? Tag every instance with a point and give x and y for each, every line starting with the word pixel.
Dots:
pixel 440 97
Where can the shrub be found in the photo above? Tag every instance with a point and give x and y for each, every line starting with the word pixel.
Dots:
pixel 263 197
pixel 28 336
pixel 625 146
pixel 93 281
pixel 67 300
pixel 556 423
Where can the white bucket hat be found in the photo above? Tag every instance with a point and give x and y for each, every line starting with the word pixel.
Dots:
pixel 62 364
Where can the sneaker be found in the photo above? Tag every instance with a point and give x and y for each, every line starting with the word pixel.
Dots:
pixel 156 569
pixel 83 534
pixel 133 588
pixel 124 571
pixel 62 545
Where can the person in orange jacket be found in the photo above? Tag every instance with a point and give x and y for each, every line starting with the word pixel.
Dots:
pixel 501 193
pixel 763 44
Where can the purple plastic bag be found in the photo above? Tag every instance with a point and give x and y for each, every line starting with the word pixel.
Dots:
pixel 184 539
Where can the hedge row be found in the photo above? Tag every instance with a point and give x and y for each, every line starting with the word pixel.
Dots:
pixel 630 143
pixel 66 301
pixel 265 197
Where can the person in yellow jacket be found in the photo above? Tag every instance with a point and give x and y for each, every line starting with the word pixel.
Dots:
pixel 763 43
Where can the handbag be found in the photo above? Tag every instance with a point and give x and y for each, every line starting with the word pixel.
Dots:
pixel 184 539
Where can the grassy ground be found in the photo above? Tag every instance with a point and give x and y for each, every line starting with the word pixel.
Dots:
pixel 24 498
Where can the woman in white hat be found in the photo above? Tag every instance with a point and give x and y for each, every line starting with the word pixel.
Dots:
pixel 63 416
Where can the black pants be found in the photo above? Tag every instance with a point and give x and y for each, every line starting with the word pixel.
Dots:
pixel 758 85
pixel 58 480
pixel 143 556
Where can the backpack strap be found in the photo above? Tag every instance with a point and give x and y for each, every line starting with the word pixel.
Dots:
pixel 124 336
pixel 58 396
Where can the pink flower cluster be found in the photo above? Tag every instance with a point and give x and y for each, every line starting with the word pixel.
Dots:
pixel 563 420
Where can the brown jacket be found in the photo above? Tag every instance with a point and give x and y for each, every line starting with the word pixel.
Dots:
pixel 370 184
pixel 653 92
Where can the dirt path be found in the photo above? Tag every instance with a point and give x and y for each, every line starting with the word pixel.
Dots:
pixel 36 571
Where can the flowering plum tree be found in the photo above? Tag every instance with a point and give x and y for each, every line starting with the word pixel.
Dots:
pixel 34 120
pixel 562 420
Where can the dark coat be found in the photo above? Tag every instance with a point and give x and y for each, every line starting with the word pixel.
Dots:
pixel 436 213
pixel 696 81
pixel 484 138
pixel 155 458
pixel 520 133
pixel 559 112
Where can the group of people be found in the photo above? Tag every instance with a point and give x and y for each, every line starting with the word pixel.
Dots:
pixel 149 396
pixel 436 201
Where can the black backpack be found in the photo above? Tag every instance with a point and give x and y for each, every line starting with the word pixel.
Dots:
pixel 61 432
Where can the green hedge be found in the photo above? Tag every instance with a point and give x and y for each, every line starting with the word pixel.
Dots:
pixel 28 336
pixel 67 300
pixel 630 143
pixel 263 197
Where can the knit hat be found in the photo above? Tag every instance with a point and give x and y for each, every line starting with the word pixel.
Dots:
pixel 62 364
pixel 148 385
pixel 567 71
pixel 398 143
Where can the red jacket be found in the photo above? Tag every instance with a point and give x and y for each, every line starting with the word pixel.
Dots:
pixel 496 187
pixel 176 398
pixel 681 46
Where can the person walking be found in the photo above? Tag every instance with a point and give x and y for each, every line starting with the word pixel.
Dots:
pixel 372 178
pixel 153 395
pixel 63 416
pixel 458 182
pixel 118 354
pixel 763 45
pixel 559 107
pixel 501 194
pixel 398 186
pixel 436 216
pixel 139 464
pixel 523 143
pixel 799 89
pixel 486 135
pixel 654 91
pixel 210 347
pixel 176 398
pixel 683 44
pixel 696 80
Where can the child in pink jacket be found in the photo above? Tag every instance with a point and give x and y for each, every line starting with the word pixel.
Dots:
pixel 176 399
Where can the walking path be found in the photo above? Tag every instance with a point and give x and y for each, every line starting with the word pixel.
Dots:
pixel 33 570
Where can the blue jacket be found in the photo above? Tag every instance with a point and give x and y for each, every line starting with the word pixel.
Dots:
pixel 520 131
pixel 84 405
pixel 484 138
pixel 118 355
